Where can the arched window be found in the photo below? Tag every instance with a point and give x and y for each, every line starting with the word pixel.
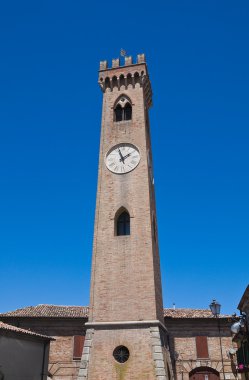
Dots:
pixel 123 109
pixel 127 111
pixel 118 113
pixel 123 224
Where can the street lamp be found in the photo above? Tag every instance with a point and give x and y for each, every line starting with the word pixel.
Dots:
pixel 215 309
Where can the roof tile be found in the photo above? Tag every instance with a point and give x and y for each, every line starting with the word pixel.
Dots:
pixel 6 327
pixel 49 311
pixel 54 311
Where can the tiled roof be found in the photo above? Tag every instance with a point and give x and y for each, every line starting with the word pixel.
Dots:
pixel 190 313
pixel 6 327
pixel 53 311
pixel 49 311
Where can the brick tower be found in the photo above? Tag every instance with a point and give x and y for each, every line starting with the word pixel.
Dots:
pixel 126 338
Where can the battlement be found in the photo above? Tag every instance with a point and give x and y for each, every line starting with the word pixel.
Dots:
pixel 127 62
pixel 128 76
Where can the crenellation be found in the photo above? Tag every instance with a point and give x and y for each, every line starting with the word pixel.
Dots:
pixel 128 60
pixel 140 58
pixel 103 65
pixel 115 63
pixel 120 78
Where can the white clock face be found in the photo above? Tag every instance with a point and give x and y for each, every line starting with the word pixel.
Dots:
pixel 122 158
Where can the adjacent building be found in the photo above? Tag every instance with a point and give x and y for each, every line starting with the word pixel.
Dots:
pixel 24 354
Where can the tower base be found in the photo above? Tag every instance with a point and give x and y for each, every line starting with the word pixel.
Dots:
pixel 146 342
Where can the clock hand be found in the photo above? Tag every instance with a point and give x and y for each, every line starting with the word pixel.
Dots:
pixel 121 156
pixel 128 155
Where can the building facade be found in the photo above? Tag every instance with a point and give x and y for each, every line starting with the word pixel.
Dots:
pixel 193 338
pixel 201 345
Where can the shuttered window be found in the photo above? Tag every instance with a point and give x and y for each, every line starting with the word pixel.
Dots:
pixel 201 347
pixel 78 343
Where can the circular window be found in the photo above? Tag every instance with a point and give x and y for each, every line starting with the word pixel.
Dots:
pixel 121 354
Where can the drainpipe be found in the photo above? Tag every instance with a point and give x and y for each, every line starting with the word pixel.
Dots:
pixel 43 360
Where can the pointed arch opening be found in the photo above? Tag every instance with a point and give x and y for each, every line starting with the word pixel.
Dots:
pixel 122 109
pixel 122 223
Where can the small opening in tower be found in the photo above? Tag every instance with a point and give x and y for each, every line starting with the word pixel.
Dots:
pixel 107 83
pixel 127 111
pixel 129 79
pixel 123 224
pixel 136 78
pixel 122 80
pixel 114 82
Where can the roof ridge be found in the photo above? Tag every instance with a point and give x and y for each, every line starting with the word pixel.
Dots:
pixel 52 304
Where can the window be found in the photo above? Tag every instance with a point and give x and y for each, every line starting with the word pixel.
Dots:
pixel 123 110
pixel 123 224
pixel 121 354
pixel 127 111
pixel 118 113
pixel 201 347
pixel 78 343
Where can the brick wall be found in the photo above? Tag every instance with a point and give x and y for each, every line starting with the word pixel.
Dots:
pixel 183 333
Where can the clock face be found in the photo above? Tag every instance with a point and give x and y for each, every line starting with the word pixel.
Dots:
pixel 122 158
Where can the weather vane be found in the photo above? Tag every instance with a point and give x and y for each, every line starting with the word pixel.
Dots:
pixel 122 52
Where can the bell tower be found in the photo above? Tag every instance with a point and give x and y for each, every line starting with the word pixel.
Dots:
pixel 126 337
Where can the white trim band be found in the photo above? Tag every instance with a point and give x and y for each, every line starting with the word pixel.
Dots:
pixel 155 322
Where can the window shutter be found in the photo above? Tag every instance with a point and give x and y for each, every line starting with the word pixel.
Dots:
pixel 201 347
pixel 78 346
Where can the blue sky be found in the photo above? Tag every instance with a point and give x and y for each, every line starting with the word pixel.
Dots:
pixel 50 112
